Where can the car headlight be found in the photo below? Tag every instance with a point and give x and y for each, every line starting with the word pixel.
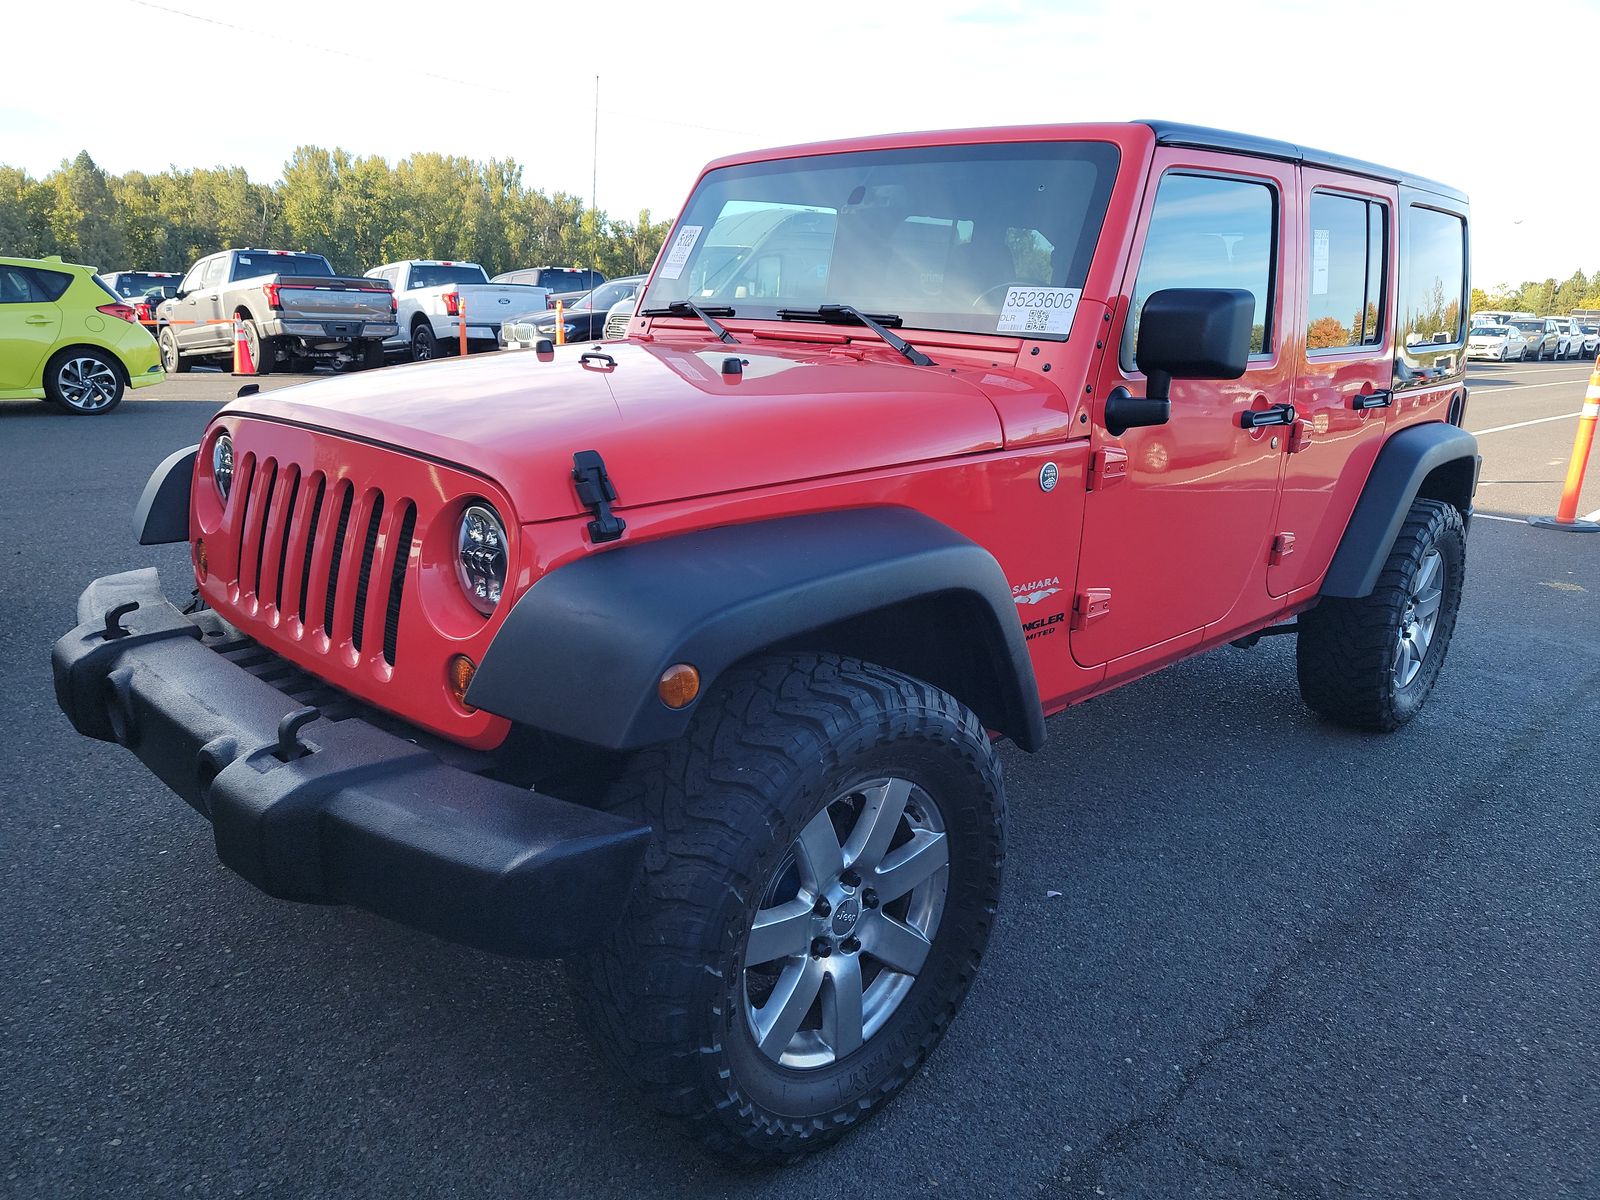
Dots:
pixel 222 464
pixel 481 557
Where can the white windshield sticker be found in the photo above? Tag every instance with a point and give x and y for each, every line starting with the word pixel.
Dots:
pixel 1032 311
pixel 682 247
pixel 244 260
pixel 1319 262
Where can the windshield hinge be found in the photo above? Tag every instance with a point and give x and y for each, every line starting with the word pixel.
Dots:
pixel 596 493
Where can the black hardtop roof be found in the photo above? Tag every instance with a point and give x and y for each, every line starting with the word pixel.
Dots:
pixel 1173 133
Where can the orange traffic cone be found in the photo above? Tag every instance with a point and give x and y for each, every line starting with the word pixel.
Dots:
pixel 243 363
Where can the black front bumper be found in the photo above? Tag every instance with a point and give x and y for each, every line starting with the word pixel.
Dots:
pixel 338 810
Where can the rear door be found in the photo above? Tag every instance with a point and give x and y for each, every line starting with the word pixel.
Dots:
pixel 30 325
pixel 1178 516
pixel 1343 394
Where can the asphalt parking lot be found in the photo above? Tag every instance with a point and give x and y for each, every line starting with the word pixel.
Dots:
pixel 1284 960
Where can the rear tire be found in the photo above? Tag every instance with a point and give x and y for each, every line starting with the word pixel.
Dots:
pixel 371 356
pixel 789 766
pixel 1371 662
pixel 263 350
pixel 424 346
pixel 83 381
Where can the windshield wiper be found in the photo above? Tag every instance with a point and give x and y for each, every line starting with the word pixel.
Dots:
pixel 680 308
pixel 847 314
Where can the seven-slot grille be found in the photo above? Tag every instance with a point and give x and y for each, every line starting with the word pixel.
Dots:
pixel 320 555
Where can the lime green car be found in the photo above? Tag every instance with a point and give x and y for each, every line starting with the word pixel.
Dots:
pixel 66 337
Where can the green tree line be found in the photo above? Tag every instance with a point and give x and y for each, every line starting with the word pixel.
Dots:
pixel 1544 298
pixel 359 212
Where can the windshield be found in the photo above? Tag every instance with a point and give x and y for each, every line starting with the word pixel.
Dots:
pixel 937 236
pixel 1531 327
pixel 427 275
pixel 1490 331
pixel 136 283
pixel 248 266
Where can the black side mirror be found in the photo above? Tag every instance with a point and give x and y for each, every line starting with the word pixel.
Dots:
pixel 1184 333
pixel 1194 333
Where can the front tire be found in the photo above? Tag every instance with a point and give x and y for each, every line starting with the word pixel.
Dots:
pixel 816 897
pixel 172 359
pixel 1371 662
pixel 84 382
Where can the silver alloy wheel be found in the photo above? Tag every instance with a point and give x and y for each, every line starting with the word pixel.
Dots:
pixel 86 383
pixel 846 924
pixel 1419 618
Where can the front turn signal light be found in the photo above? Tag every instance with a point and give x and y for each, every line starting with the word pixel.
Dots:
pixel 461 669
pixel 200 565
pixel 679 685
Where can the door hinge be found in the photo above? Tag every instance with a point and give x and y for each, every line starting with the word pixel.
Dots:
pixel 1109 465
pixel 596 493
pixel 1090 605
pixel 1300 436
pixel 1282 547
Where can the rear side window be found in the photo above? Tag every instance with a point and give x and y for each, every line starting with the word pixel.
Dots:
pixel 1432 278
pixel 50 284
pixel 1348 240
pixel 1208 232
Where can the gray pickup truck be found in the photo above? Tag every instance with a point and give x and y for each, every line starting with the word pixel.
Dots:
pixel 295 312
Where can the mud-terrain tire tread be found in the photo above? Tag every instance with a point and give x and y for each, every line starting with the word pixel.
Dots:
pixel 1344 654
pixel 709 795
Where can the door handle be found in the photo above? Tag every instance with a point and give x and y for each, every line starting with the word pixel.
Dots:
pixel 1380 398
pixel 1276 414
pixel 37 320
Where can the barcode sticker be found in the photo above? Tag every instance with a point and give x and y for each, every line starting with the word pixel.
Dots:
pixel 678 254
pixel 1038 311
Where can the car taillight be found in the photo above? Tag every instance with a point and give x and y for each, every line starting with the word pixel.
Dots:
pixel 452 304
pixel 123 312
pixel 549 302
pixel 142 311
pixel 271 290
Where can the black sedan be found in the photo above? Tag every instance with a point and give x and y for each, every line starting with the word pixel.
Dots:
pixel 584 317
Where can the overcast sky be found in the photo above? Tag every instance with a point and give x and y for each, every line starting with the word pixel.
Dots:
pixel 1499 99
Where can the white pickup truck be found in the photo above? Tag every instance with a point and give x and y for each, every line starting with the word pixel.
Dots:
pixel 431 295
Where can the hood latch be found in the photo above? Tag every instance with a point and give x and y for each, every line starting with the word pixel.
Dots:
pixel 596 493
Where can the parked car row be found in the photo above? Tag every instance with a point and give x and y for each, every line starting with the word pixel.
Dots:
pixel 1515 336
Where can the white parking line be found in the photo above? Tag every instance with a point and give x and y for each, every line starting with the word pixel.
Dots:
pixel 1523 424
pixel 1483 516
pixel 1526 387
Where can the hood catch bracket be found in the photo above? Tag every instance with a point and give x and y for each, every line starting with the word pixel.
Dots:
pixel 596 493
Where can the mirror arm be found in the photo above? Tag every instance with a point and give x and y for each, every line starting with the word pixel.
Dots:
pixel 1158 385
pixel 1125 411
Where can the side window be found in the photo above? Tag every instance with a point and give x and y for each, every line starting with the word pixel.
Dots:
pixel 214 269
pixel 49 285
pixel 1209 232
pixel 1432 278
pixel 191 281
pixel 1348 240
pixel 17 286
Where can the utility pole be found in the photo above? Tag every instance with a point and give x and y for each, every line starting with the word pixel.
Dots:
pixel 594 186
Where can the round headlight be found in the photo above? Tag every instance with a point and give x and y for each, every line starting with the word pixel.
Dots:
pixel 222 464
pixel 481 557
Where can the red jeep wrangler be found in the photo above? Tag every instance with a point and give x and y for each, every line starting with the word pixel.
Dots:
pixel 684 657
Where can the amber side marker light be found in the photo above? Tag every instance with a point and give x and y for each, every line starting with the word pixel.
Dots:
pixel 461 670
pixel 200 558
pixel 679 685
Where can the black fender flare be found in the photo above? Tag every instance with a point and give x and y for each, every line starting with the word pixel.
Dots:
pixel 162 513
pixel 1404 464
pixel 581 653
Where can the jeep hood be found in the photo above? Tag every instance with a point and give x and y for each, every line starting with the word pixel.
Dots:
pixel 669 424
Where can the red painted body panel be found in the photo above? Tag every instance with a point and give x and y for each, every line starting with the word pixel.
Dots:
pixel 821 418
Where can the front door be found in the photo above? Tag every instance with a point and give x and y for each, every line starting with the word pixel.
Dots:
pixel 1178 519
pixel 30 324
pixel 1342 395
